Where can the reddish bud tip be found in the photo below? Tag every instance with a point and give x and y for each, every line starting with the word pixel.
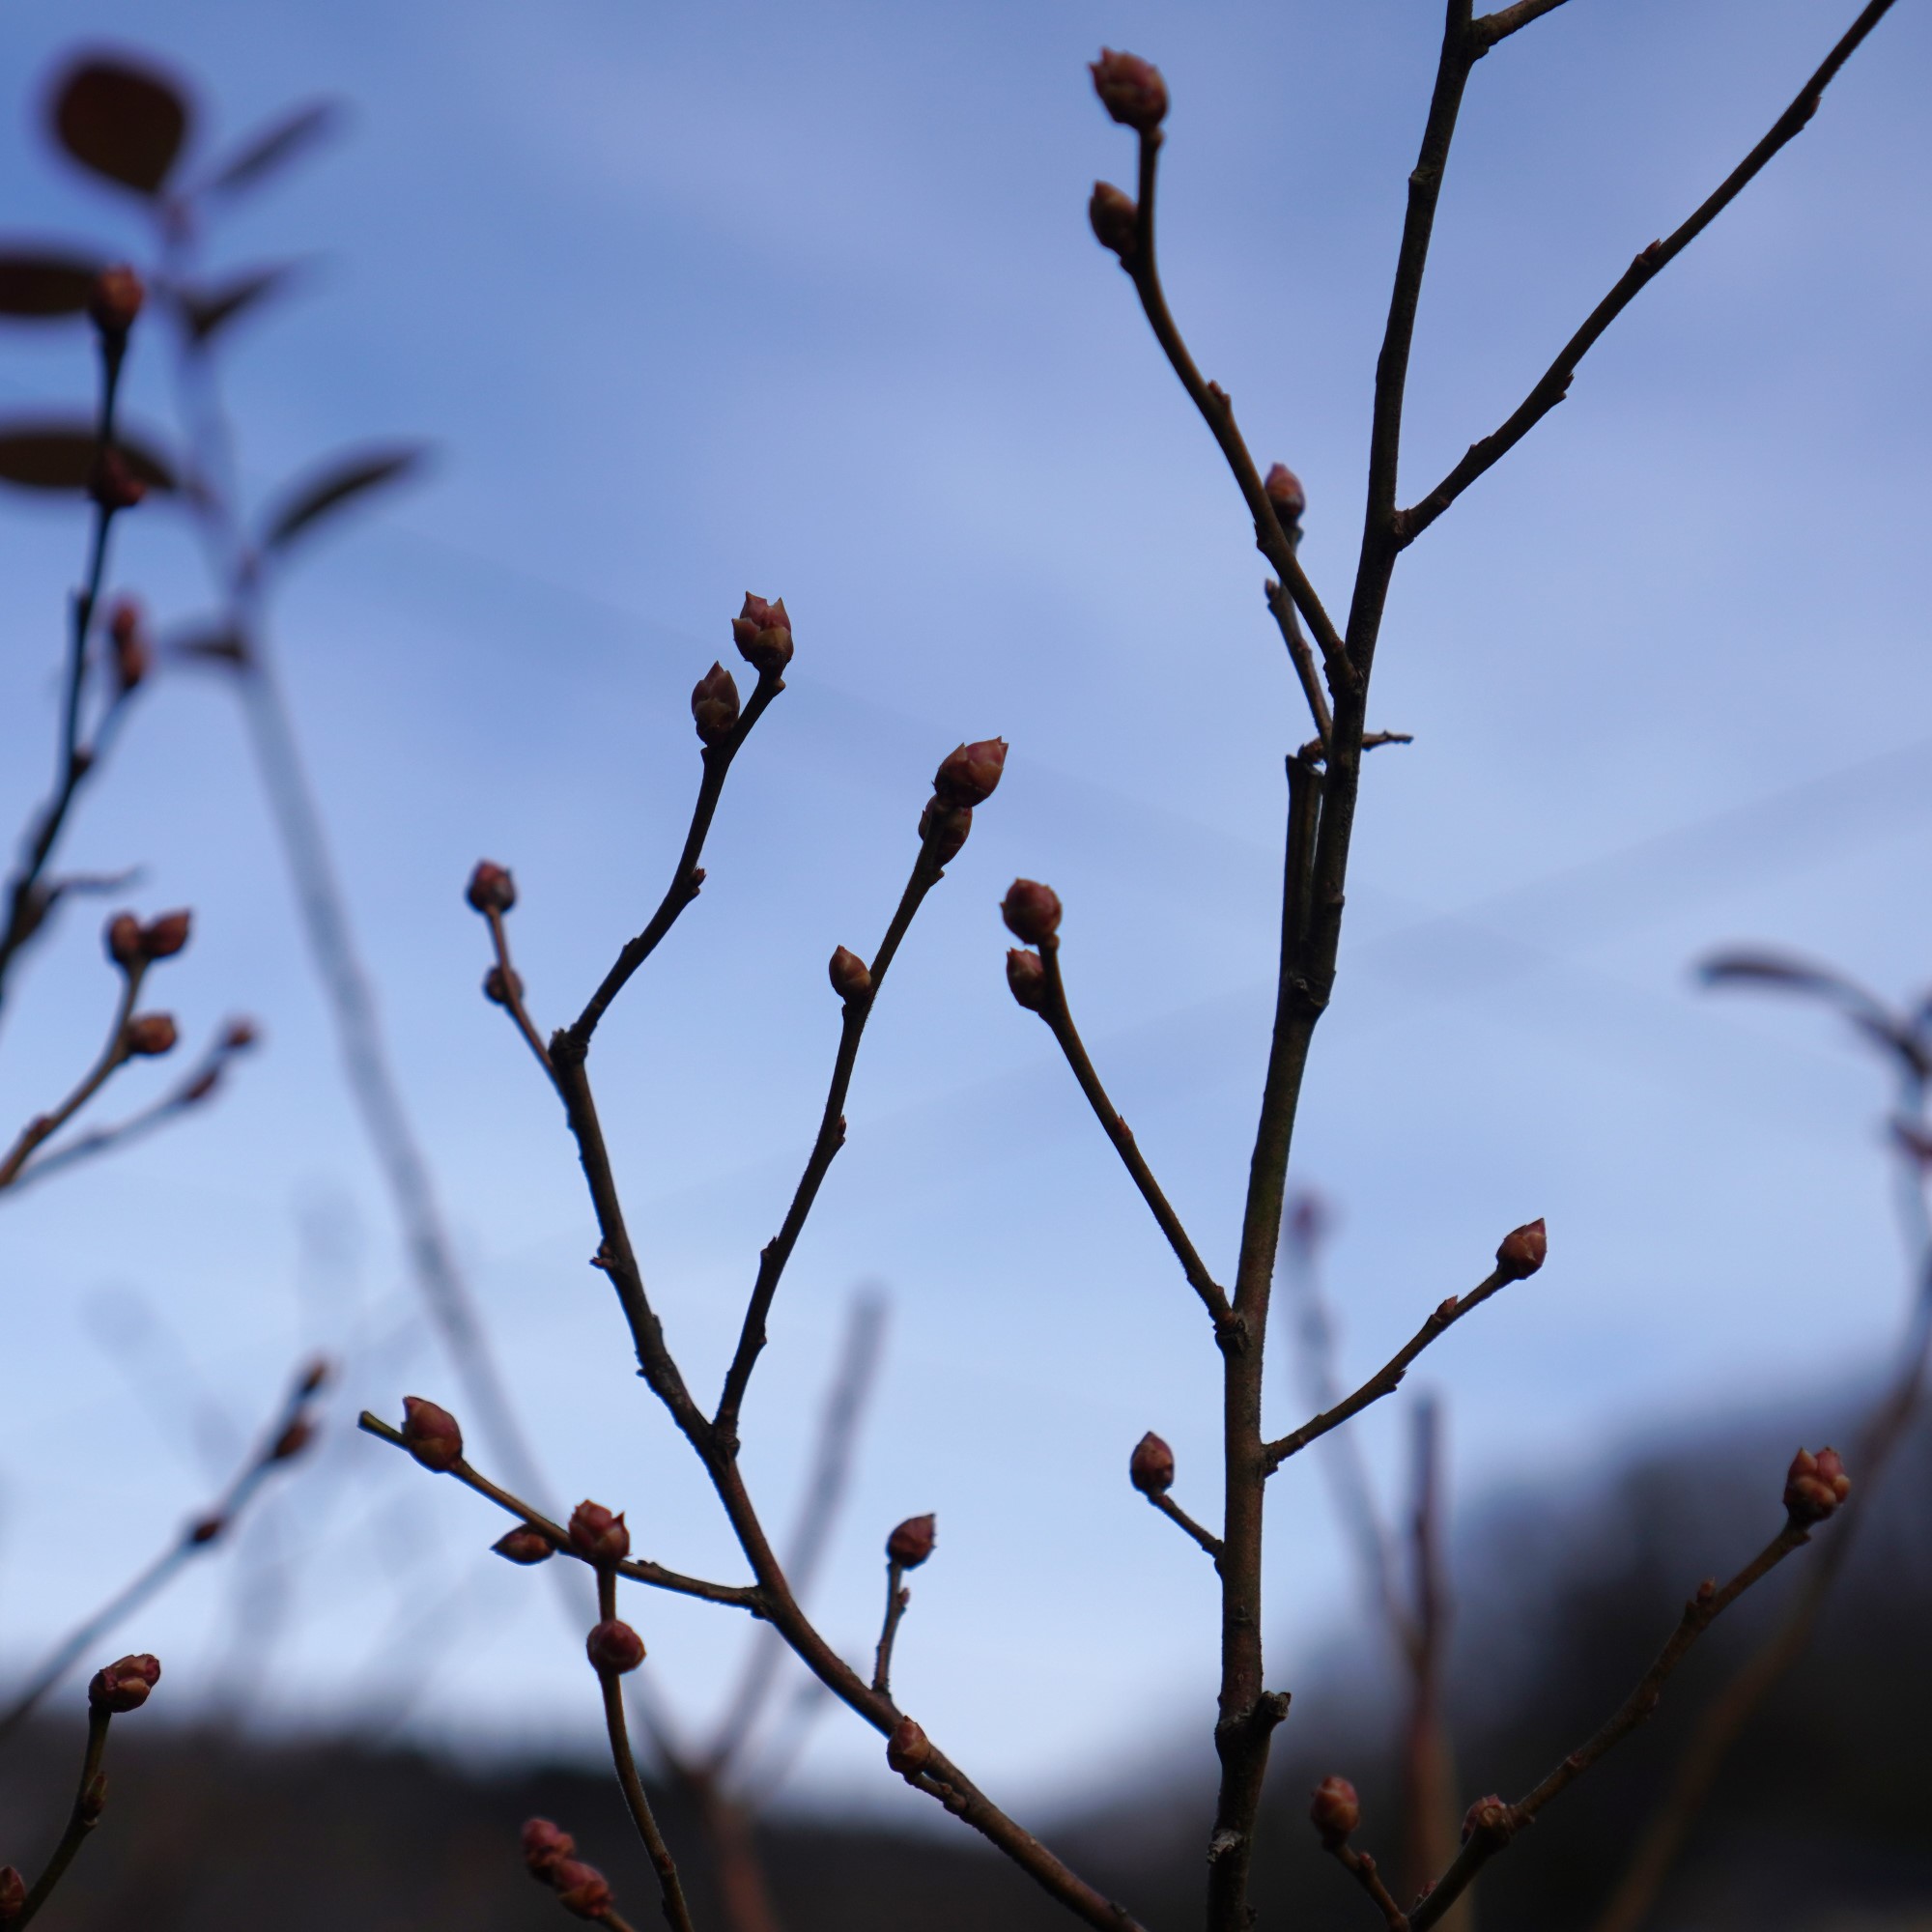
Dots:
pixel 316 1376
pixel 498 990
pixel 1151 1467
pixel 1285 492
pixel 115 300
pixel 121 937
pixel 525 1545
pixel 545 1846
pixel 970 775
pixel 1815 1485
pixel 1116 217
pixel 762 633
pixel 1026 979
pixel 911 1543
pixel 580 1888
pixel 851 977
pixel 124 1686
pixel 614 1648
pixel 1130 90
pixel 164 937
pixel 490 888
pixel 946 827
pixel 207 1529
pixel 1522 1251
pixel 908 1751
pixel 293 1440
pixel 133 649
pixel 1336 1810
pixel 1031 911
pixel 714 705
pixel 241 1035
pixel 12 1893
pixel 1488 1816
pixel 431 1434
pixel 597 1535
pixel 149 1036
pixel 112 484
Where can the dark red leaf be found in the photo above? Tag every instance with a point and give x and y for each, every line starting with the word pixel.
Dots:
pixel 211 309
pixel 121 118
pixel 277 145
pixel 39 283
pixel 337 482
pixel 59 455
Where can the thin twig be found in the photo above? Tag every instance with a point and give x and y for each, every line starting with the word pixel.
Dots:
pixel 512 990
pixel 1175 1513
pixel 1361 1868
pixel 112 1055
pixel 90 1795
pixel 1508 20
pixel 897 1597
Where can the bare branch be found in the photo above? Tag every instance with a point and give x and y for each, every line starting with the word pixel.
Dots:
pixel 1507 20
pixel 1361 1868
pixel 1175 1513
pixel 114 1054
pixel 89 1798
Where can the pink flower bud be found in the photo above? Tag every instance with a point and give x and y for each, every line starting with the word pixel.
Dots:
pixel 911 1543
pixel 1115 219
pixel 1130 90
pixel 490 888
pixel 947 825
pixel 149 1036
pixel 762 633
pixel 1026 979
pixel 597 1535
pixel 124 1685
pixel 121 937
pixel 614 1648
pixel 115 300
pixel 1489 1817
pixel 851 977
pixel 1522 1251
pixel 133 649
pixel 430 1434
pixel 1031 911
pixel 714 705
pixel 1336 1811
pixel 1815 1485
pixel 112 484
pixel 580 1888
pixel 908 1751
pixel 545 1847
pixel 162 937
pixel 1285 492
pixel 525 1545
pixel 1151 1467
pixel 500 991
pixel 12 1893
pixel 970 775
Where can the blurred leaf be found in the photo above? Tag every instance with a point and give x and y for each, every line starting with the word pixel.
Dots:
pixel 38 283
pixel 121 119
pixel 337 482
pixel 277 145
pixel 58 454
pixel 211 309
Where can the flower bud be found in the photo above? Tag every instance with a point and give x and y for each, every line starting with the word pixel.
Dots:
pixel 1522 1251
pixel 851 977
pixel 149 1036
pixel 762 633
pixel 1031 911
pixel 525 1546
pixel 714 705
pixel 908 1751
pixel 1116 217
pixel 545 1846
pixel 1026 979
pixel 580 1888
pixel 1151 1467
pixel 124 1685
pixel 597 1535
pixel 12 1893
pixel 1336 1811
pixel 115 300
pixel 1489 1816
pixel 1285 492
pixel 240 1036
pixel 164 937
pixel 911 1543
pixel 1130 90
pixel 112 484
pixel 614 1648
pixel 431 1434
pixel 133 650
pixel 1815 1485
pixel 207 1530
pixel 947 825
pixel 490 888
pixel 121 937
pixel 498 990
pixel 293 1440
pixel 969 775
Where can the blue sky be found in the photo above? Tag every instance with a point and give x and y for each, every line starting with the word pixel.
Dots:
pixel 693 301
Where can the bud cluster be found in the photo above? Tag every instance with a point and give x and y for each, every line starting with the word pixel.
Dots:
pixel 124 1685
pixel 1815 1486
pixel 130 944
pixel 1130 90
pixel 967 777
pixel 597 1536
pixel 762 633
pixel 714 705
pixel 550 1855
pixel 1336 1811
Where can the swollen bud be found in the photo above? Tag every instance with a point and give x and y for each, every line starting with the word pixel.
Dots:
pixel 161 938
pixel 112 484
pixel 149 1036
pixel 1151 1467
pixel 1336 1810
pixel 1522 1251
pixel 1489 1817
pixel 714 705
pixel 1026 979
pixel 124 1685
pixel 908 1751
pixel 133 650
pixel 241 1035
pixel 580 1888
pixel 1130 90
pixel 851 977
pixel 12 1893
pixel 911 1543
pixel 1285 492
pixel 1116 217
pixel 762 633
pixel 498 990
pixel 525 1545
pixel 545 1847
pixel 614 1648
pixel 292 1442
pixel 970 775
pixel 1031 911
pixel 115 300
pixel 947 825
pixel 430 1434
pixel 121 937
pixel 597 1535
pixel 1815 1485
pixel 490 888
